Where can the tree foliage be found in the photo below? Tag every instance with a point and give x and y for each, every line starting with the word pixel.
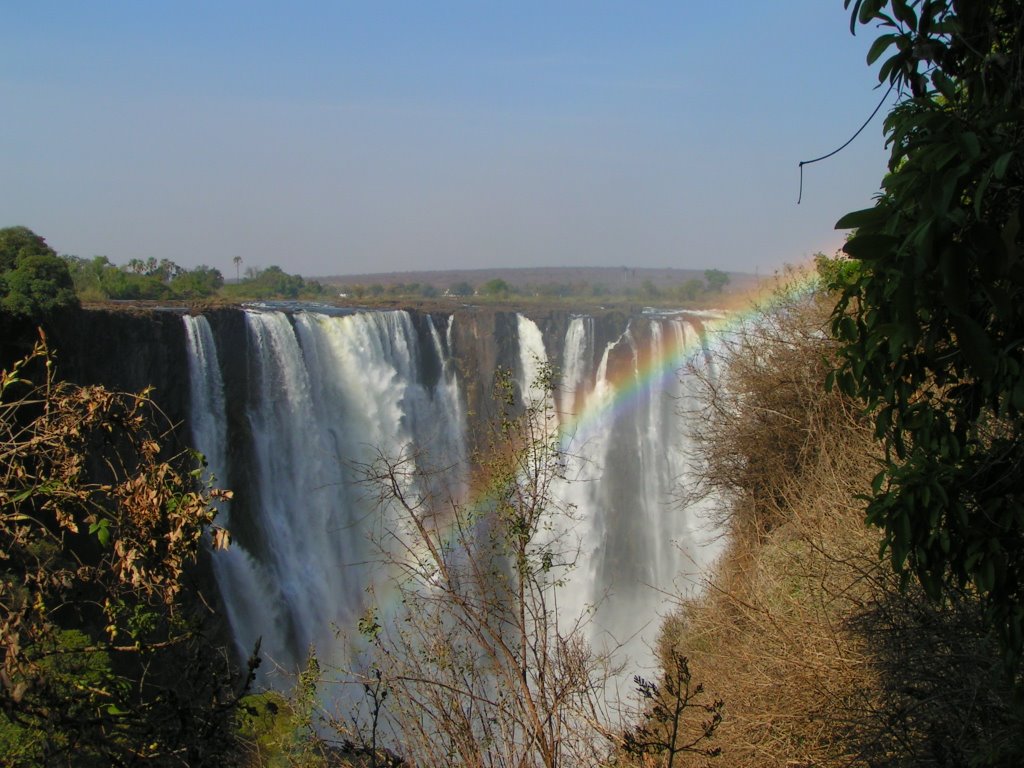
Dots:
pixel 495 287
pixel 34 281
pixel 104 657
pixel 197 283
pixel 932 320
pixel 17 243
pixel 716 280
pixel 151 280
pixel 272 282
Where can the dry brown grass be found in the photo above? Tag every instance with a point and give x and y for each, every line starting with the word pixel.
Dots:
pixel 770 635
pixel 821 658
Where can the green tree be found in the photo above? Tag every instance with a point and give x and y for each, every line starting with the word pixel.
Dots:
pixel 19 242
pixel 716 280
pixel 273 282
pixel 495 287
pixel 461 288
pixel 690 289
pixel 34 281
pixel 85 276
pixel 115 283
pixel 197 283
pixel 39 285
pixel 932 318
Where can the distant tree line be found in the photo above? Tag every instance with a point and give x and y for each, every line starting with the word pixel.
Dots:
pixel 498 288
pixel 97 279
pixel 35 281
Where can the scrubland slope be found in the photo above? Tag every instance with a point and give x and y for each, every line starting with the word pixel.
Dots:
pixel 821 657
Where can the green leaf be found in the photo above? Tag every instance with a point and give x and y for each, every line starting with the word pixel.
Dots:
pixel 889 68
pixel 847 328
pixel 999 169
pixel 903 12
pixel 868 10
pixel 934 158
pixel 854 14
pixel 903 528
pixel 974 343
pixel 879 47
pixel 979 193
pixel 944 85
pixel 20 497
pixel 870 246
pixel 970 145
pixel 102 531
pixel 985 576
pixel 865 217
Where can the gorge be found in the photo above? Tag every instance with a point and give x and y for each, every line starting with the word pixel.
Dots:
pixel 288 402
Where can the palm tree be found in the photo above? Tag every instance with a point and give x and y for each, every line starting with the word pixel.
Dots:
pixel 238 261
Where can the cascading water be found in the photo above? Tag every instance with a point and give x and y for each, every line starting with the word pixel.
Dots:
pixel 624 430
pixel 533 359
pixel 209 432
pixel 325 394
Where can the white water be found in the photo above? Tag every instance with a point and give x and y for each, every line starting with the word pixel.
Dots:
pixel 327 393
pixel 628 456
pixel 208 423
pixel 532 360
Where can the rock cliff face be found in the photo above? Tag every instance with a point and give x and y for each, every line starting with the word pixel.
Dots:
pixel 126 350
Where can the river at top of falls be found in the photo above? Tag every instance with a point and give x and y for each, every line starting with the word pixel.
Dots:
pixel 327 394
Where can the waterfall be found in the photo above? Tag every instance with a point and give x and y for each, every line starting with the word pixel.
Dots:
pixel 206 390
pixel 624 428
pixel 575 363
pixel 208 424
pixel 532 360
pixel 325 393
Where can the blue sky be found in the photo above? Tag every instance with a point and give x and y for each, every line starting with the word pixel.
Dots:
pixel 342 137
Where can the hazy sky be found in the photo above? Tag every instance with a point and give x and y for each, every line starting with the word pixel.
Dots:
pixel 344 137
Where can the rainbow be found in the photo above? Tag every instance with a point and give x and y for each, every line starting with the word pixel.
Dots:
pixel 627 386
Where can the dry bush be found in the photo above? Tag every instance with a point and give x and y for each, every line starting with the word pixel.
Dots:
pixel 105 655
pixel 470 663
pixel 821 657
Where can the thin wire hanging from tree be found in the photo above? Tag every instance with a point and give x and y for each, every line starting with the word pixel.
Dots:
pixel 844 146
